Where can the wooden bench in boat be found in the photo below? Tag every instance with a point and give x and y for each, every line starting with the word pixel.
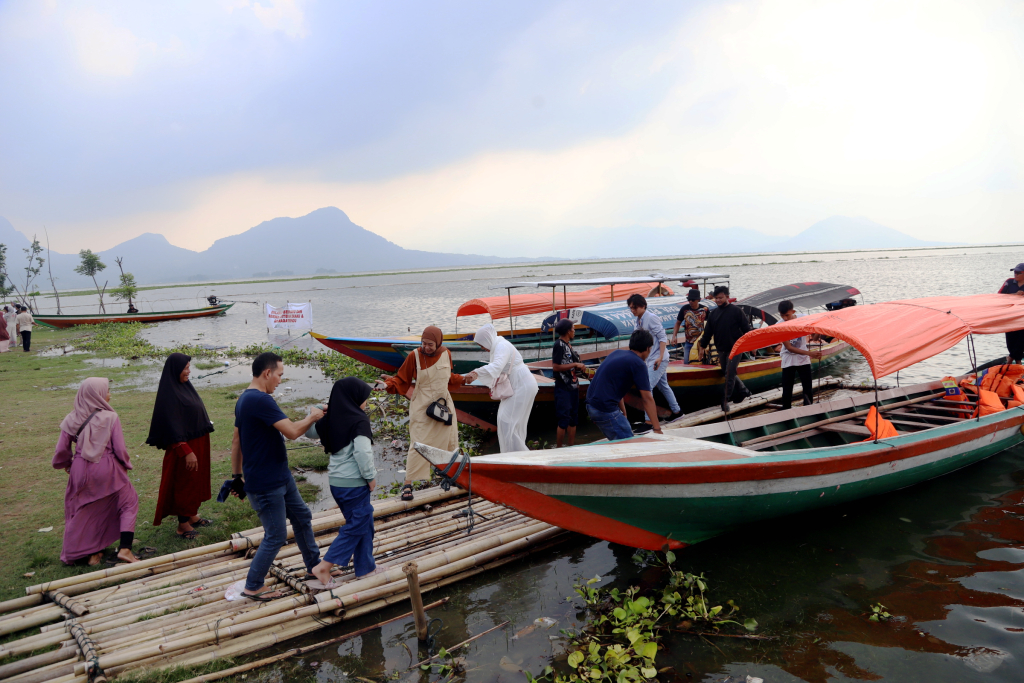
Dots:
pixel 847 428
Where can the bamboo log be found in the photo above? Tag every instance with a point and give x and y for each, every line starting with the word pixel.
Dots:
pixel 73 606
pixel 20 603
pixel 417 601
pixel 30 620
pixel 36 662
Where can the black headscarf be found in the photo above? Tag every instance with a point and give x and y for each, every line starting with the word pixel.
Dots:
pixel 179 413
pixel 344 420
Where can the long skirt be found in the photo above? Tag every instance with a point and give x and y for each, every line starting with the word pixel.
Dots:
pixel 514 411
pixel 96 525
pixel 182 490
pixel 5 344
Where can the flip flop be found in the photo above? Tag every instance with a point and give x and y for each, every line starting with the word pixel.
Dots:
pixel 265 596
pixel 376 570
pixel 318 585
pixel 201 523
pixel 407 492
pixel 188 535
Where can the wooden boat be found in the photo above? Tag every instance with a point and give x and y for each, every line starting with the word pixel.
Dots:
pixel 672 490
pixel 387 353
pixel 62 321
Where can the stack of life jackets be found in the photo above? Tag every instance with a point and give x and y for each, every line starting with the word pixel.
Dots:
pixel 991 385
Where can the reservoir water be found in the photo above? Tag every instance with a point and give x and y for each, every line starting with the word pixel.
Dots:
pixel 945 557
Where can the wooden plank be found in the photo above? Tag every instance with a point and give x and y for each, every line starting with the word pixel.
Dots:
pixel 847 428
pixel 785 439
pixel 944 419
pixel 911 423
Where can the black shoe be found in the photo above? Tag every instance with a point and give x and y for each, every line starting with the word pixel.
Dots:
pixel 725 407
pixel 675 416
pixel 642 429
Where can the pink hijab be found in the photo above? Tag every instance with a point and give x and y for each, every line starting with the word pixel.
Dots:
pixel 92 397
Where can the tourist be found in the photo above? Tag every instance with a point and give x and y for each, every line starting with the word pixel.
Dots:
pixel 258 452
pixel 1015 340
pixel 796 361
pixel 10 322
pixel 5 335
pixel 100 504
pixel 617 374
pixel 726 324
pixel 504 367
pixel 24 326
pixel 430 367
pixel 566 365
pixel 181 427
pixel 346 435
pixel 657 361
pixel 691 317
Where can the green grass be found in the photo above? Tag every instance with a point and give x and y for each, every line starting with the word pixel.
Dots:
pixel 312 459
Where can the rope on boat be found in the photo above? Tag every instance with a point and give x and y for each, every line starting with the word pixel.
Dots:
pixel 448 480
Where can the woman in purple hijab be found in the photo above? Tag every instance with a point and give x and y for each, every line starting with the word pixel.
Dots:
pixel 100 503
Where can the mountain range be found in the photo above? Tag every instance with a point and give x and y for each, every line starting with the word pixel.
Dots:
pixel 330 242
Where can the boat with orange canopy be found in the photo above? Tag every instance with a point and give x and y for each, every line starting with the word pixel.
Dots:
pixel 667 491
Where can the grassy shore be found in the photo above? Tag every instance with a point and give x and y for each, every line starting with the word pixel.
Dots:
pixel 37 392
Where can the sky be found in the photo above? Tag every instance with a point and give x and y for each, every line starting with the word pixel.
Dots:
pixel 490 127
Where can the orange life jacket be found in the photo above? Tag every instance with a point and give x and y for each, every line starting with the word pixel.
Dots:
pixel 989 403
pixel 953 392
pixel 1001 378
pixel 885 428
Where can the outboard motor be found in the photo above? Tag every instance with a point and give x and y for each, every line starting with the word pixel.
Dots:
pixel 213 300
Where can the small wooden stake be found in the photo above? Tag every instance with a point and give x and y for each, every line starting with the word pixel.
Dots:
pixel 418 613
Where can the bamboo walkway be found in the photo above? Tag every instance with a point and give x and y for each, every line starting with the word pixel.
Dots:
pixel 170 610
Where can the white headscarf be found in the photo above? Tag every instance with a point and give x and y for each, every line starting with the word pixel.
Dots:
pixel 487 337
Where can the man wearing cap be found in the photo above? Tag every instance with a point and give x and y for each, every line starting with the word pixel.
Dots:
pixel 692 317
pixel 1015 340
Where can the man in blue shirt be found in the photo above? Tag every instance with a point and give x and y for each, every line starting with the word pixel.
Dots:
pixel 618 373
pixel 1015 340
pixel 657 361
pixel 258 452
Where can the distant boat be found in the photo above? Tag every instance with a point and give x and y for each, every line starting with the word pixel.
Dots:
pixel 62 321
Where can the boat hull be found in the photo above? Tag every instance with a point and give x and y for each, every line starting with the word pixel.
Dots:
pixel 669 491
pixel 64 321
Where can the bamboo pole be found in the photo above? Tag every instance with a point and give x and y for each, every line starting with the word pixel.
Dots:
pixel 20 603
pixel 416 599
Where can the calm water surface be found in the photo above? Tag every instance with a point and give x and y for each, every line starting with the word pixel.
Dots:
pixel 946 556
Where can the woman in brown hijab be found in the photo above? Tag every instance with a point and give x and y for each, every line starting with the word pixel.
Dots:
pixel 430 368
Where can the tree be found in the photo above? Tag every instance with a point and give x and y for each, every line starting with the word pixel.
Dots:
pixel 90 266
pixel 31 272
pixel 49 270
pixel 127 289
pixel 5 289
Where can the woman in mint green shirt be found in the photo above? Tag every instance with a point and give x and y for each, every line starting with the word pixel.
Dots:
pixel 345 433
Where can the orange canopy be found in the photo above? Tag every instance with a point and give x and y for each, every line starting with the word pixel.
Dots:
pixel 897 334
pixel 525 304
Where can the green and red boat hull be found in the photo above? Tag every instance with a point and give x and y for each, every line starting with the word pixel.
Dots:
pixel 63 321
pixel 658 492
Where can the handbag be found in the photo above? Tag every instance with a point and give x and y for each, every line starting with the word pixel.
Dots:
pixel 438 410
pixel 502 388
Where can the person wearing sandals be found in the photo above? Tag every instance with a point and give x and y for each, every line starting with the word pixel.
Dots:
pixel 430 367
pixel 181 427
pixel 100 504
pixel 345 433
pixel 258 452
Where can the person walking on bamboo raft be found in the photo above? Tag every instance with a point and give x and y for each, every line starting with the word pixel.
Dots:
pixel 100 504
pixel 430 368
pixel 347 437
pixel 181 427
pixel 510 380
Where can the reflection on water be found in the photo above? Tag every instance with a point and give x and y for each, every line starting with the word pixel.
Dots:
pixel 946 557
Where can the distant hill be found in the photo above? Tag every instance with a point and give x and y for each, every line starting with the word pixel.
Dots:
pixel 324 241
pixel 841 232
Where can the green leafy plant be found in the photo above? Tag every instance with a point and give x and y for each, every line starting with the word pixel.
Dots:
pixel 90 266
pixel 878 613
pixel 127 289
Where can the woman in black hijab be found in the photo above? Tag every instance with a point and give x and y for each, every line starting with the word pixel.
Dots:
pixel 181 427
pixel 345 433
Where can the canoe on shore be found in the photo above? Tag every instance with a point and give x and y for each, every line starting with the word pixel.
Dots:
pixel 62 321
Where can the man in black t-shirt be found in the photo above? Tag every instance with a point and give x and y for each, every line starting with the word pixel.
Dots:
pixel 258 452
pixel 726 324
pixel 1015 340
pixel 565 362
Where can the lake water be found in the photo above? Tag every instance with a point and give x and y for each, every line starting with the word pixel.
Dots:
pixel 946 557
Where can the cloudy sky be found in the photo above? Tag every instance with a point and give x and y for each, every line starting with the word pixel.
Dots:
pixel 481 126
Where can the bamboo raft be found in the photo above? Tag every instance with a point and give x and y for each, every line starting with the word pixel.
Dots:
pixel 170 610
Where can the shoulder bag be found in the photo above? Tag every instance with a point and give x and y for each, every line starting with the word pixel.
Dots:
pixel 438 410
pixel 502 388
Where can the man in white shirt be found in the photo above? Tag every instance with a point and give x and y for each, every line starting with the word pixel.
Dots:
pixel 796 361
pixel 24 327
pixel 657 362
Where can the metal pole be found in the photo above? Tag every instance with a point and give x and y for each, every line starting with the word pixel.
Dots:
pixel 511 320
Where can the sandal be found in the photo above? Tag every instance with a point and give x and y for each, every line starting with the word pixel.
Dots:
pixel 188 535
pixel 265 596
pixel 407 492
pixel 201 523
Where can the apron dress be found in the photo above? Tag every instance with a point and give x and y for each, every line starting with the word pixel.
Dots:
pixel 431 385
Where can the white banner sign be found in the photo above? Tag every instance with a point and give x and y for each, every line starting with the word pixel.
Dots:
pixel 291 317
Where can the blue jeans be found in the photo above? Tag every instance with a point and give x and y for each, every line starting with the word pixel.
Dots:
pixel 613 425
pixel 355 539
pixel 687 348
pixel 659 381
pixel 273 507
